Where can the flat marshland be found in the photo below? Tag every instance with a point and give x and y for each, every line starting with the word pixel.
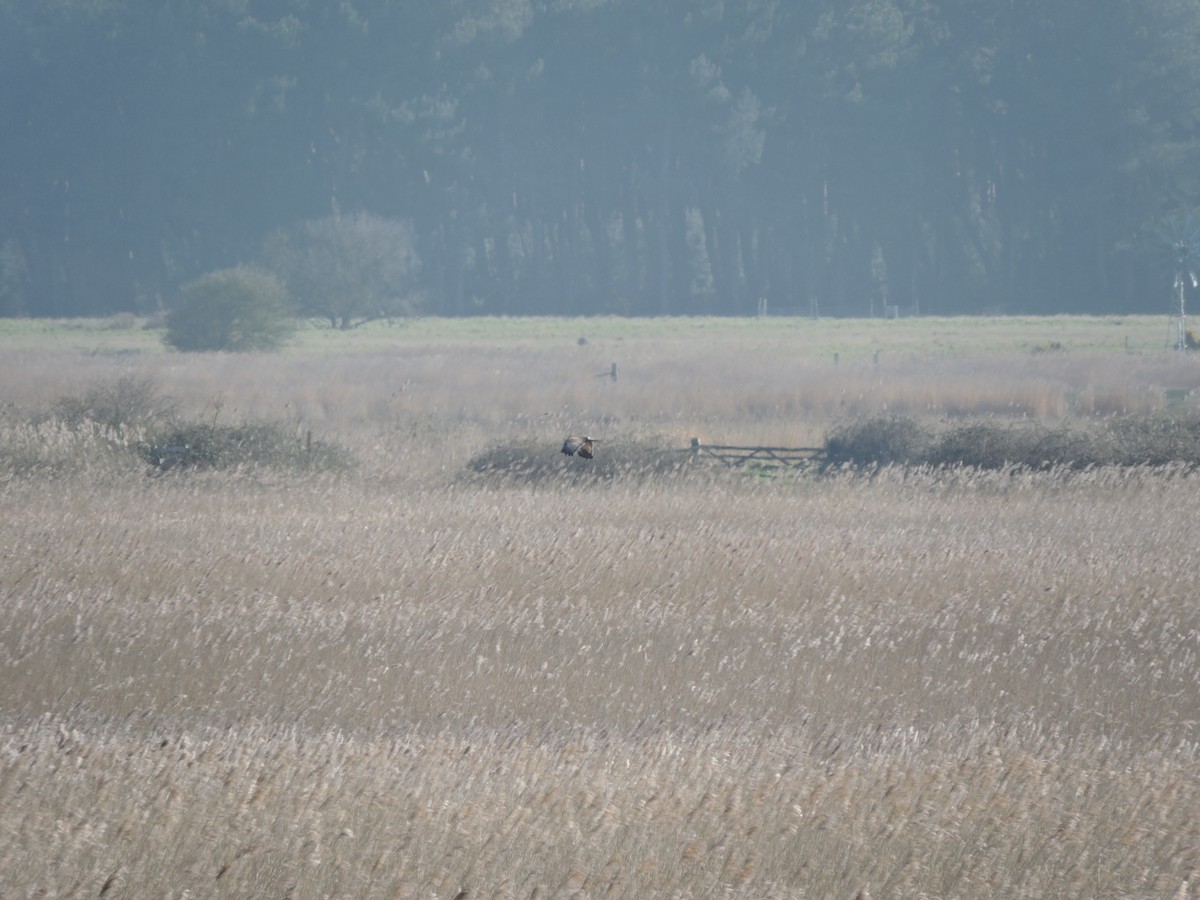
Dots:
pixel 405 678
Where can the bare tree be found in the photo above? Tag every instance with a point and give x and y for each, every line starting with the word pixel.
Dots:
pixel 349 269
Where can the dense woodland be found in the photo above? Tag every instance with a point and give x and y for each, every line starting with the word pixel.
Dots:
pixel 637 157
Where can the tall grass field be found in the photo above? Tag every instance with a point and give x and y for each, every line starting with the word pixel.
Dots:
pixel 383 670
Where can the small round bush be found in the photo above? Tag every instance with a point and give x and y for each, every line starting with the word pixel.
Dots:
pixel 236 309
pixel 876 442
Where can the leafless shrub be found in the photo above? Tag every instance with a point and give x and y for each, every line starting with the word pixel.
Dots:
pixel 615 461
pixel 209 445
pixel 130 400
pixel 1144 440
pixel 1155 439
pixel 894 439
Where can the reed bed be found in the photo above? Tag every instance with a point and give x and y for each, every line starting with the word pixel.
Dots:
pixel 962 685
pixel 721 387
pixel 408 678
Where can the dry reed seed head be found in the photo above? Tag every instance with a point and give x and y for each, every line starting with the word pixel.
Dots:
pixel 348 622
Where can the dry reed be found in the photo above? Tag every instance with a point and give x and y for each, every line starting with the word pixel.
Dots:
pixel 396 682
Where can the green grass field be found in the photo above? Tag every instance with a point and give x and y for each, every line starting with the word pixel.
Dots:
pixel 930 336
pixel 404 679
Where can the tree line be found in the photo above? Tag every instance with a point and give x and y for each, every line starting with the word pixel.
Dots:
pixel 634 157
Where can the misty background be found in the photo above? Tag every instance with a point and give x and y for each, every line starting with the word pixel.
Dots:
pixel 579 157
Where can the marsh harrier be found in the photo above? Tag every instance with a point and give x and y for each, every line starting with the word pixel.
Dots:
pixel 576 445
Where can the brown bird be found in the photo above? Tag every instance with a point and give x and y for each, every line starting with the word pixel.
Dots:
pixel 575 445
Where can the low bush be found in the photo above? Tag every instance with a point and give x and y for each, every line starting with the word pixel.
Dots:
pixel 876 442
pixel 130 415
pixel 1154 439
pixel 212 446
pixel 1141 440
pixel 529 463
pixel 237 309
pixel 979 445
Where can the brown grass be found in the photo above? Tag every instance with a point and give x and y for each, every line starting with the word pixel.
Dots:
pixel 397 681
pixel 778 384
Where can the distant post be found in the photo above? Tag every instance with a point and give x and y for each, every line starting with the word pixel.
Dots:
pixel 1181 232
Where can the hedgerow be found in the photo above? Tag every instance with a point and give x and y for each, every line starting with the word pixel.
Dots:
pixel 1137 440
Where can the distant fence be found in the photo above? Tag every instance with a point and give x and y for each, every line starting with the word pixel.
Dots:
pixel 759 457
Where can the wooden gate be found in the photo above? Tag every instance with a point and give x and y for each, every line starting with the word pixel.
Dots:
pixel 760 457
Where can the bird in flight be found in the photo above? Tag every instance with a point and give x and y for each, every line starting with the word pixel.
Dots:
pixel 576 445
